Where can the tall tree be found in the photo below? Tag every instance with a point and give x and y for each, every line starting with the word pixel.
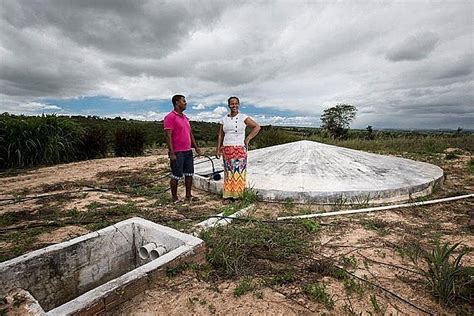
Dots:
pixel 335 121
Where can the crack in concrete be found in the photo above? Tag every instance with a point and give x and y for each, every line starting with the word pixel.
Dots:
pixel 118 230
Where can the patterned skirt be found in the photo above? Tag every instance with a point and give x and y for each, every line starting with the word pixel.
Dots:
pixel 235 171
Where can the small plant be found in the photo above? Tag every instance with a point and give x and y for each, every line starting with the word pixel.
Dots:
pixel 284 278
pixel 451 156
pixel 470 165
pixel 361 201
pixel 172 272
pixel 249 196
pixel 349 262
pixel 339 203
pixel 352 286
pixel 445 276
pixel 376 224
pixel 228 210
pixel 245 286
pixel 410 249
pixel 349 310
pixel 339 274
pixel 317 292
pixel 202 271
pixel 289 205
pixel 376 305
pixel 311 225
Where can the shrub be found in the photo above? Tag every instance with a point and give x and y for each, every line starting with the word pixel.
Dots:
pixel 272 136
pixel 94 143
pixel 129 141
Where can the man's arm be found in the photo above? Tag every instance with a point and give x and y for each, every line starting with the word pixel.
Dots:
pixel 171 154
pixel 194 144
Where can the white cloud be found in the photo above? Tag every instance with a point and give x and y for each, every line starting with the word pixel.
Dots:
pixel 17 107
pixel 210 116
pixel 147 116
pixel 200 106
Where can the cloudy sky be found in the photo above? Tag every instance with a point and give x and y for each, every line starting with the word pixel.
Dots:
pixel 403 64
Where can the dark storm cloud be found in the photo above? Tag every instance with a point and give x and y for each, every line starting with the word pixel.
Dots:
pixel 414 47
pixel 122 27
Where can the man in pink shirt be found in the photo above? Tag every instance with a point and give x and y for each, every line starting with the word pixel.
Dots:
pixel 180 140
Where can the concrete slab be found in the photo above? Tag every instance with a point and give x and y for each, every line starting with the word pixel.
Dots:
pixel 312 172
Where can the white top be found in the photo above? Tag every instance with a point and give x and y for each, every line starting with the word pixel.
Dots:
pixel 234 129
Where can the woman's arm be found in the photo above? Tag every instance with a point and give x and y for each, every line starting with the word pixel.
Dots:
pixel 220 140
pixel 255 129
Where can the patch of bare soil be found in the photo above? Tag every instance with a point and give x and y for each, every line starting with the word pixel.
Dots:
pixel 76 172
pixel 186 295
pixel 61 234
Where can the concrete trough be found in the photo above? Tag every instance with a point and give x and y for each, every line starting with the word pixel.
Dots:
pixel 96 272
pixel 312 172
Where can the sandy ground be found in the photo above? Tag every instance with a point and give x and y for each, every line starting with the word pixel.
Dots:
pixel 370 239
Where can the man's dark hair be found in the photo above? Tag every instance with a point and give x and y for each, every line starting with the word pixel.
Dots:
pixel 176 98
pixel 228 100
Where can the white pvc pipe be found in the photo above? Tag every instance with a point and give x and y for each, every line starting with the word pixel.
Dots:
pixel 378 208
pixel 145 250
pixel 158 252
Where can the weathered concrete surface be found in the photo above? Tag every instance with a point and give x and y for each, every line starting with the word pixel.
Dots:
pixel 307 171
pixel 84 274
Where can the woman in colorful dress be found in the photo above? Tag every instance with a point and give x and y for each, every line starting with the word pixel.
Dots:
pixel 232 145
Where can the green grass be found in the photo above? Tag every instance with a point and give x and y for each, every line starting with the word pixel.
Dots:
pixel 353 286
pixel 249 197
pixel 470 165
pixel 349 262
pixel 235 249
pixel 31 141
pixel 376 306
pixel 245 286
pixel 405 143
pixel 283 277
pixel 21 240
pixel 446 277
pixel 317 292
pixel 311 225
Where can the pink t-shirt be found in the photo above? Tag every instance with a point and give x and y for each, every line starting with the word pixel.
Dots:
pixel 181 131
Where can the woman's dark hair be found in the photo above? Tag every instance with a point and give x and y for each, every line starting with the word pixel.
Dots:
pixel 176 98
pixel 228 100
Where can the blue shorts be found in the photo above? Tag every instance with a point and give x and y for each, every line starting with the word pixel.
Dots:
pixel 183 165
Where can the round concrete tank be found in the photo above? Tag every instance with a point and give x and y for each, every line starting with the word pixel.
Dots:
pixel 311 172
